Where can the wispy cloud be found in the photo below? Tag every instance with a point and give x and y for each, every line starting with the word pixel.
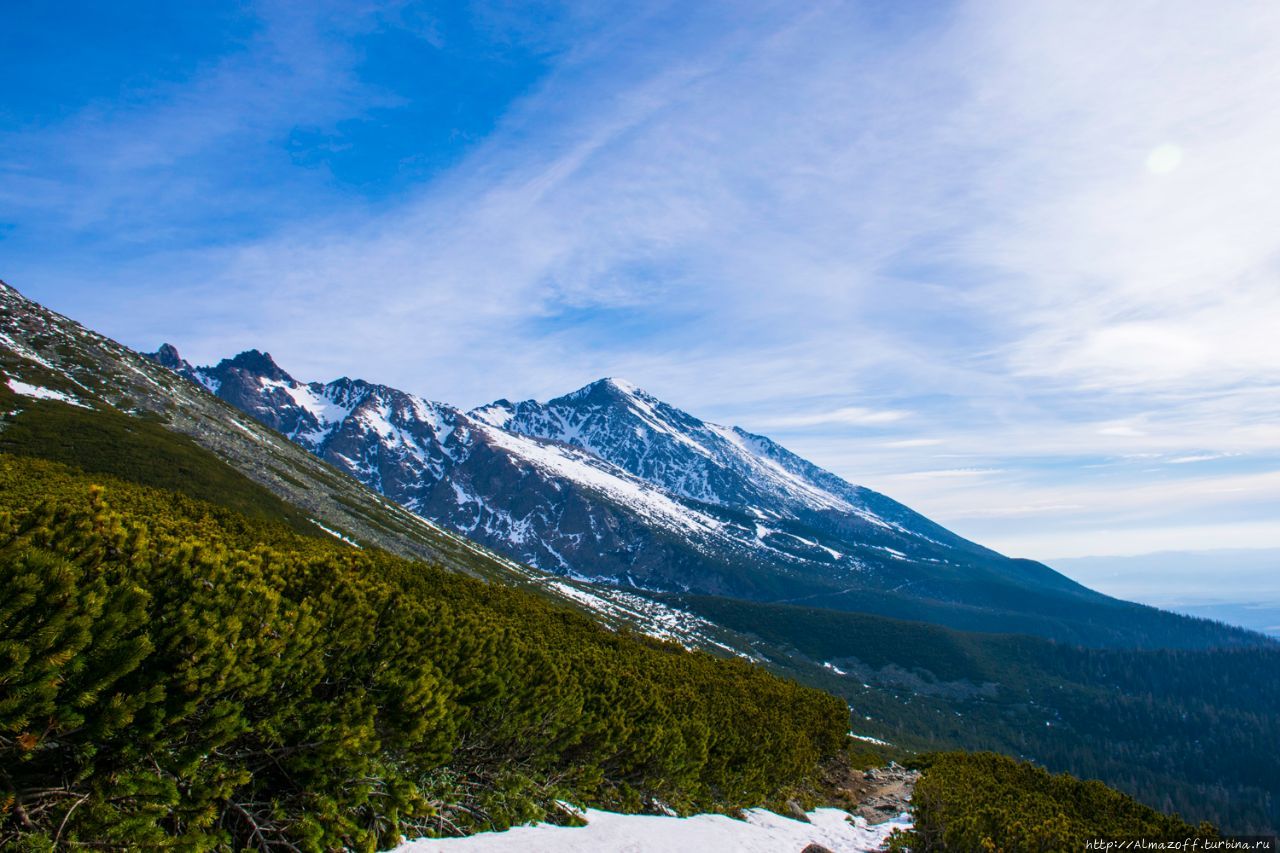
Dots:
pixel 912 442
pixel 846 416
pixel 1037 236
pixel 1196 457
pixel 946 473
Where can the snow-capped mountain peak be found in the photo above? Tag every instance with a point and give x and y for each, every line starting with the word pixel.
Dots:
pixel 657 442
pixel 609 385
pixel 607 482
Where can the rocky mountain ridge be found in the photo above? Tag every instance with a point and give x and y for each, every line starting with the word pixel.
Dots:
pixel 612 485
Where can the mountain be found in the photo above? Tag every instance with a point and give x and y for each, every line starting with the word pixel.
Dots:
pixel 74 396
pixel 610 484
pixel 1187 729
pixel 713 464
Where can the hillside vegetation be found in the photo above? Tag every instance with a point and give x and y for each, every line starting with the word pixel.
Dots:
pixel 138 449
pixel 173 672
pixel 967 802
pixel 1189 731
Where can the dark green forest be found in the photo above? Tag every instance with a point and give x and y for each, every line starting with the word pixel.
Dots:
pixel 1191 731
pixel 173 672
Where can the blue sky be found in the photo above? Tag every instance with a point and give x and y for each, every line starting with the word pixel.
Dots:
pixel 1017 265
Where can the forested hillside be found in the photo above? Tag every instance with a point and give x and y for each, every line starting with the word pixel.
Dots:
pixel 1193 731
pixel 175 673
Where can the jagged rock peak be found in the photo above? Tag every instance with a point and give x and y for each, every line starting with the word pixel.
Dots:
pixel 167 356
pixel 256 362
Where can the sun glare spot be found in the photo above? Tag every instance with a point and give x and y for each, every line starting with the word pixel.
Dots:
pixel 1163 159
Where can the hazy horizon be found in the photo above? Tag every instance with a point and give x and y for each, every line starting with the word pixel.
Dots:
pixel 1233 585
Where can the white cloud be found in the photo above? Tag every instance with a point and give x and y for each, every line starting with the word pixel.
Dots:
pixel 1121 430
pixel 1117 277
pixel 1196 457
pixel 1127 541
pixel 1041 235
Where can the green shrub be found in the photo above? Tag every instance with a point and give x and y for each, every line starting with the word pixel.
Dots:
pixel 173 673
pixel 981 801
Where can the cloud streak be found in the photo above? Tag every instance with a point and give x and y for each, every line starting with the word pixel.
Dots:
pixel 1030 242
pixel 844 416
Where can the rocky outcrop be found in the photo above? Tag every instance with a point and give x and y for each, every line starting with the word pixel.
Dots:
pixel 888 793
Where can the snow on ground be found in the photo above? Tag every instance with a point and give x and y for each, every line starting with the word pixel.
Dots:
pixel 244 429
pixel 606 832
pixel 582 467
pixel 321 408
pixel 772 472
pixel 353 543
pixel 40 393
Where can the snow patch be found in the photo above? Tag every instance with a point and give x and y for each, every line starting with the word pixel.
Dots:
pixel 586 469
pixel 494 414
pixel 244 429
pixel 332 532
pixel 586 599
pixel 607 832
pixel 321 408
pixel 40 393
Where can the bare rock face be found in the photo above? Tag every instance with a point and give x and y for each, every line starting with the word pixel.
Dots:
pixel 816 848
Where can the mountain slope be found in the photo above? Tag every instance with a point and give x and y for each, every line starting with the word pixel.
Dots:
pixel 610 484
pixel 70 395
pixel 177 675
pixel 74 396
pixel 709 463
